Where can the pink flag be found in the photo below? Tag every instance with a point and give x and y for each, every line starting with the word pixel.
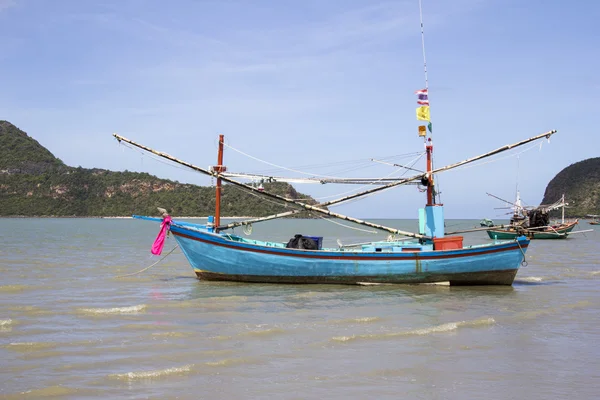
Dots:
pixel 160 239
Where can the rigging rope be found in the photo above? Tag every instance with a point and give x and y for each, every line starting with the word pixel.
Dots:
pixel 155 158
pixel 502 158
pixel 420 155
pixel 286 168
pixel 274 165
pixel 356 164
pixel 346 226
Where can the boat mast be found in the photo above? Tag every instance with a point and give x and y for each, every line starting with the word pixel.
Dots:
pixel 428 143
pixel 219 168
pixel 423 44
pixel 429 177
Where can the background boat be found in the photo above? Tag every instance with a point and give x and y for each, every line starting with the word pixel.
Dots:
pixel 534 222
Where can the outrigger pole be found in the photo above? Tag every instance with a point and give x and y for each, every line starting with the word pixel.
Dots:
pixel 343 199
pixel 271 195
pixel 399 182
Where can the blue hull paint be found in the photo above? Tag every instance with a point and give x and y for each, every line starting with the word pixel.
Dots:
pixel 224 257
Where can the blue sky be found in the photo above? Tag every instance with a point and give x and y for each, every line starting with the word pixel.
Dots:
pixel 300 83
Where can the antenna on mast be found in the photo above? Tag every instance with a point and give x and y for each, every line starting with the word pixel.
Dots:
pixel 423 43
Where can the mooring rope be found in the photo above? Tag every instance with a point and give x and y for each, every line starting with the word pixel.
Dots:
pixel 147 268
pixel 524 262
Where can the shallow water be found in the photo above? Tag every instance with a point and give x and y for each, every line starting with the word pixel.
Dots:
pixel 71 328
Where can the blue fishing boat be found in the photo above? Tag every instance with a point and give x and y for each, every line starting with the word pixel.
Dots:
pixel 425 257
pixel 216 256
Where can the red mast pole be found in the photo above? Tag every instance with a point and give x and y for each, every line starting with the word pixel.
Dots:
pixel 219 169
pixel 429 150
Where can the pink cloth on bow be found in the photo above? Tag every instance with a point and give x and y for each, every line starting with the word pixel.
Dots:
pixel 160 239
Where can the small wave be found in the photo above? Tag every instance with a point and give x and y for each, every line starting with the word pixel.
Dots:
pixel 223 299
pixel 218 352
pixel 447 327
pixel 172 334
pixel 143 327
pixel 315 294
pixel 305 295
pixel 154 374
pixel 221 337
pixel 348 338
pixel 39 354
pixel 50 391
pixel 13 288
pixel 356 320
pixel 30 311
pixel 228 362
pixel 30 346
pixel 554 310
pixel 115 310
pixel 184 304
pixel 262 332
pixel 530 279
pixel 388 373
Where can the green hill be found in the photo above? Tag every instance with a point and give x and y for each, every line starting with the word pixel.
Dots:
pixel 580 183
pixel 33 182
pixel 23 154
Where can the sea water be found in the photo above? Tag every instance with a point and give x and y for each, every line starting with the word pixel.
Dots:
pixel 78 320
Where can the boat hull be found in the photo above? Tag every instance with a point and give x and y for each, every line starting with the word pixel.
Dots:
pixel 217 257
pixel 508 234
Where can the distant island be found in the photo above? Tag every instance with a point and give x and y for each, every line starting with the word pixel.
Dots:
pixel 34 183
pixel 580 182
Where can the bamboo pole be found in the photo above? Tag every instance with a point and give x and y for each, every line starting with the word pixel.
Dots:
pixel 446 168
pixel 271 195
pixel 487 228
pixel 410 179
pixel 343 199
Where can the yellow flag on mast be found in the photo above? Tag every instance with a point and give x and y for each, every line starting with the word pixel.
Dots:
pixel 423 113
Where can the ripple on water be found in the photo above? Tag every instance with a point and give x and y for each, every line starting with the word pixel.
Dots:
pixel 172 334
pixel 55 391
pixel 30 346
pixel 228 299
pixel 229 362
pixel 447 327
pixel 14 288
pixel 30 311
pixel 360 320
pixel 155 374
pixel 531 314
pixel 112 311
pixel 262 332
pixel 530 279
